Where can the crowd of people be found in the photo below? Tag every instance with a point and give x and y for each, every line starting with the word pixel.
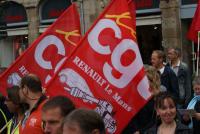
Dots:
pixel 171 110
pixel 28 111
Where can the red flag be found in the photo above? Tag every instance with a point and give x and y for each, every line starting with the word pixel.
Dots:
pixel 105 72
pixel 195 26
pixel 48 52
pixel 132 9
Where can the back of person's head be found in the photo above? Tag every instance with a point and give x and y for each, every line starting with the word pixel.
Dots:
pixel 33 83
pixel 87 120
pixel 161 97
pixel 62 102
pixel 154 78
pixel 13 95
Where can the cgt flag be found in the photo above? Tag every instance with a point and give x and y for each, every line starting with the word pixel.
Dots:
pixel 105 72
pixel 48 52
pixel 195 26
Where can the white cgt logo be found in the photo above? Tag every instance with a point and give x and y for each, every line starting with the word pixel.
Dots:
pixel 42 46
pixel 128 72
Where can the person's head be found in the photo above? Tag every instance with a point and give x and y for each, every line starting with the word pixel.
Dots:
pixel 173 54
pixel 165 107
pixel 53 113
pixel 157 58
pixel 13 101
pixel 83 121
pixel 30 86
pixel 196 85
pixel 154 79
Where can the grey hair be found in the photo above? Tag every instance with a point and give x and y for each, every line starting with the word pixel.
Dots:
pixel 196 81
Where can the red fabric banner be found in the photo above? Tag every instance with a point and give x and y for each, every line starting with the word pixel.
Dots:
pixel 48 52
pixel 105 72
pixel 195 26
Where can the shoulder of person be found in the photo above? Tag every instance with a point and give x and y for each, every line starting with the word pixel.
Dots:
pixel 169 71
pixel 182 127
pixel 152 130
pixel 166 69
pixel 167 64
pixel 183 65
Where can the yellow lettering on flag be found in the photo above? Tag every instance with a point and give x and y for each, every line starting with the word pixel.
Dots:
pixel 125 15
pixel 68 34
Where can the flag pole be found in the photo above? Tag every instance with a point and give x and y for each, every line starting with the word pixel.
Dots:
pixel 82 16
pixel 197 66
pixel 193 58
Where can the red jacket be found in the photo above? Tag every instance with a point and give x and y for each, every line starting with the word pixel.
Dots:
pixel 33 124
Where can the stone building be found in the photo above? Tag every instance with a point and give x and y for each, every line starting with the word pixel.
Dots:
pixel 160 24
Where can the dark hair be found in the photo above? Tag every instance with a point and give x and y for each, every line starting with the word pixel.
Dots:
pixel 88 120
pixel 177 50
pixel 13 95
pixel 33 82
pixel 159 99
pixel 62 102
pixel 196 81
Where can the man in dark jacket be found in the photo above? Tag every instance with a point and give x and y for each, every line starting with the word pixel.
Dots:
pixel 182 72
pixel 167 76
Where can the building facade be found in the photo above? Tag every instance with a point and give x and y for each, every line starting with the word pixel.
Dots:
pixel 160 24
